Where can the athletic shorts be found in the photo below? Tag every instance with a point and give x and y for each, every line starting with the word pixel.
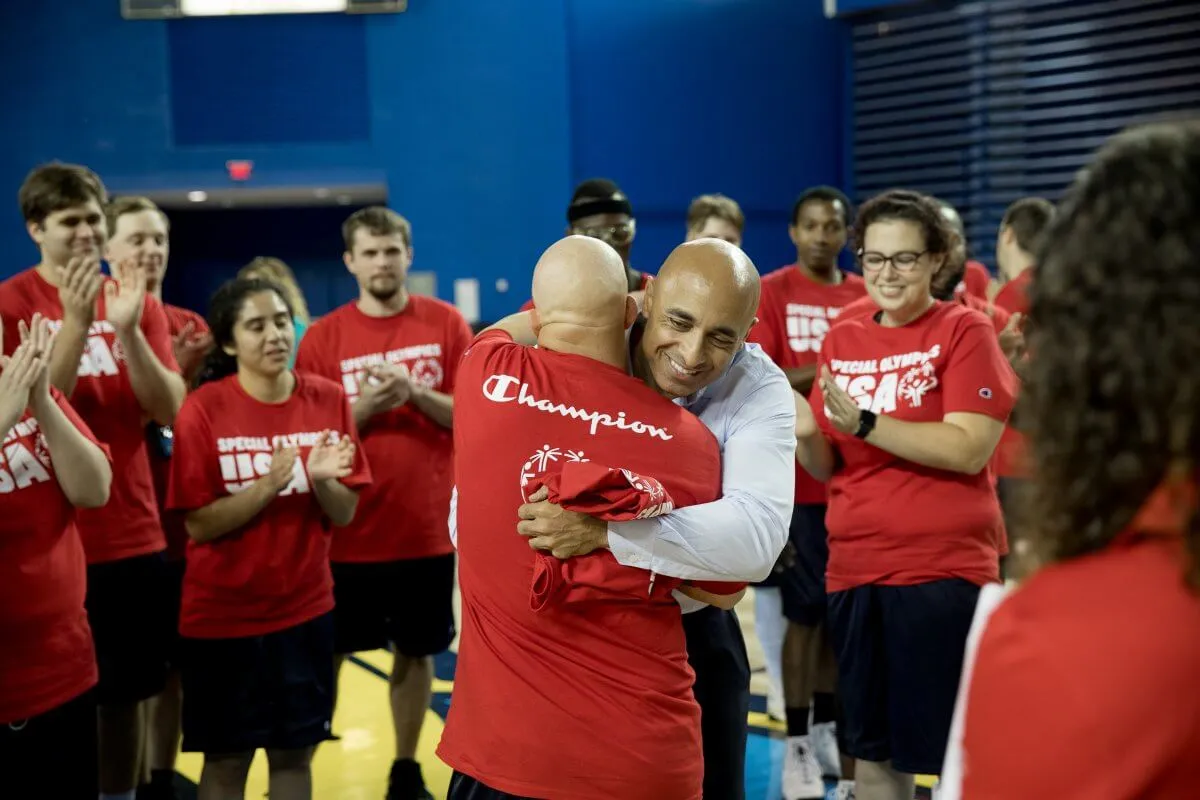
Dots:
pixel 900 654
pixel 52 755
pixel 133 624
pixel 464 787
pixel 406 604
pixel 272 691
pixel 802 580
pixel 175 570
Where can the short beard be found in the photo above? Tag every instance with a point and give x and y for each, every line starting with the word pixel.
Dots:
pixel 384 296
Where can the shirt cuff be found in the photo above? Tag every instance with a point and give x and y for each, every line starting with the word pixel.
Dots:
pixel 632 544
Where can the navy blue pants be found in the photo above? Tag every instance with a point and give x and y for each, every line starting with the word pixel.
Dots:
pixel 717 653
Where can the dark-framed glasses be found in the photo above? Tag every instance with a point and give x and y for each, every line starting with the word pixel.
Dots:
pixel 904 261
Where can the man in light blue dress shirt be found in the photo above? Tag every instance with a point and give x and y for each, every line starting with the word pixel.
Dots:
pixel 690 346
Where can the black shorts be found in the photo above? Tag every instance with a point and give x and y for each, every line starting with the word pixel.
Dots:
pixel 464 787
pixel 802 582
pixel 408 604
pixel 717 653
pixel 133 624
pixel 900 654
pixel 52 754
pixel 175 570
pixel 271 691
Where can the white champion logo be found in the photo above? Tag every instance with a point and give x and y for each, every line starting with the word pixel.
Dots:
pixel 507 389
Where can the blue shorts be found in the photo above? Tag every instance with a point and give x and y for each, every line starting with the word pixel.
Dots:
pixel 900 655
pixel 801 574
pixel 272 691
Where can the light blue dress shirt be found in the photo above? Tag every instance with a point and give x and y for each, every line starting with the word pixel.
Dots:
pixel 752 411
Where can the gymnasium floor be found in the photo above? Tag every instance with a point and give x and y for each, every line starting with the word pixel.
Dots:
pixel 356 766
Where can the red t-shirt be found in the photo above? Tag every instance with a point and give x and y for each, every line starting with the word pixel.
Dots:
pixel 402 515
pixel 160 442
pixel 128 525
pixel 892 521
pixel 607 683
pixel 646 280
pixel 865 307
pixel 794 313
pixel 1085 653
pixel 976 279
pixel 1012 452
pixel 46 657
pixel 273 573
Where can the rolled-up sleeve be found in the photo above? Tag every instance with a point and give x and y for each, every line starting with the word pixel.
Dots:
pixel 740 536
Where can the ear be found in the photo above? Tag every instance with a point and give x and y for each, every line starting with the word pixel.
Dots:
pixel 1007 235
pixel 229 350
pixel 347 258
pixel 36 231
pixel 408 258
pixel 631 311
pixel 793 234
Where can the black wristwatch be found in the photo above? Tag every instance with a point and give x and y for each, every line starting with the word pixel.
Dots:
pixel 866 424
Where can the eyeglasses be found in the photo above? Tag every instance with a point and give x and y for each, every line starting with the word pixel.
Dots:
pixel 904 261
pixel 616 235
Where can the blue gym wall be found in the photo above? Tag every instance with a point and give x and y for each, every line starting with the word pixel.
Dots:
pixel 480 115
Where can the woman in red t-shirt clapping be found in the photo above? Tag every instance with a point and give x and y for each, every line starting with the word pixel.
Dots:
pixel 908 408
pixel 266 462
pixel 51 465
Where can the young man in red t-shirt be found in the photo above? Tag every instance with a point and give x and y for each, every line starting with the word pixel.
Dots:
pixel 528 677
pixel 112 356
pixel 139 231
pixel 396 356
pixel 799 304
pixel 51 465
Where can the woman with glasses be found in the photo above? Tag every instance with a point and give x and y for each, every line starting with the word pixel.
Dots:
pixel 909 404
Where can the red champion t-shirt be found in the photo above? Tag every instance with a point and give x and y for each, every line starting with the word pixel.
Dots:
pixel 402 515
pixel 1085 653
pixel 160 461
pixel 46 654
pixel 892 521
pixel 794 314
pixel 128 525
pixel 273 573
pixel 1012 452
pixel 608 684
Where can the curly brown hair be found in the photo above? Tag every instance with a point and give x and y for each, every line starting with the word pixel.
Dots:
pixel 1112 394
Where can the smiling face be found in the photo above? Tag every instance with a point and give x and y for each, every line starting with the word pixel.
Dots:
pixel 142 237
pixel 898 268
pixel 76 231
pixel 263 335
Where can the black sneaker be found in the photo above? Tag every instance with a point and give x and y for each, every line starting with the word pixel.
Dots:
pixel 406 781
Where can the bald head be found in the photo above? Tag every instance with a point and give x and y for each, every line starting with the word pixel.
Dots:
pixel 580 281
pixel 723 271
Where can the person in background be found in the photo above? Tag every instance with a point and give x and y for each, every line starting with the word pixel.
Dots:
pixel 52 465
pixel 904 417
pixel 799 304
pixel 140 232
pixel 1025 222
pixel 280 274
pixel 1097 652
pixel 600 210
pixel 266 464
pixel 715 216
pixel 112 357
pixel 976 280
pixel 396 355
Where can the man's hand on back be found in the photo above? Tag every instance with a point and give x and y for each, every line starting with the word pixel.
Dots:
pixel 563 533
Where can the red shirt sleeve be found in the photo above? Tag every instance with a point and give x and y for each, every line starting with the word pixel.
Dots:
pixel 458 338
pixel 157 330
pixel 194 482
pixel 977 379
pixel 362 470
pixel 766 332
pixel 310 357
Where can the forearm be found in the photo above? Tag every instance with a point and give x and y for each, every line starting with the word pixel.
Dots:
pixel 67 353
pixel 159 391
pixel 816 455
pixel 938 445
pixel 229 513
pixel 519 326
pixel 84 474
pixel 801 378
pixel 437 406
pixel 736 538
pixel 362 411
pixel 337 501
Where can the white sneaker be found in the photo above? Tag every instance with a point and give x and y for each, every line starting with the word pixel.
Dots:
pixel 825 748
pixel 801 773
pixel 775 708
pixel 845 790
